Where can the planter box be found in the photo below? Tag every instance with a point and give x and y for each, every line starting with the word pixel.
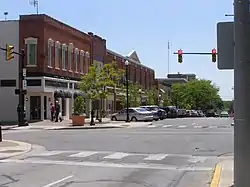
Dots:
pixel 78 120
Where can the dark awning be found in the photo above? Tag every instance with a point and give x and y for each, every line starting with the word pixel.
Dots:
pixel 78 93
pixel 67 94
pixel 59 93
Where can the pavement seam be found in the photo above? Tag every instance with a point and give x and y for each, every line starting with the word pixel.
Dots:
pixel 216 176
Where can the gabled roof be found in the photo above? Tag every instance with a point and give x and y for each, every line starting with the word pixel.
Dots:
pixel 133 55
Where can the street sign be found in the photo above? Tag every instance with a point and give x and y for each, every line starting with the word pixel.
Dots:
pixel 24 72
pixel 225 45
pixel 24 84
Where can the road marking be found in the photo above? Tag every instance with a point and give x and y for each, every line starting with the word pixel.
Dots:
pixel 216 176
pixel 167 126
pixel 117 156
pixel 108 165
pixel 198 126
pixel 156 157
pixel 193 124
pixel 83 154
pixel 196 159
pixel 151 126
pixel 182 126
pixel 58 181
pixel 49 153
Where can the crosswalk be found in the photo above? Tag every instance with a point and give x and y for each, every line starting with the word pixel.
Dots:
pixel 193 126
pixel 127 157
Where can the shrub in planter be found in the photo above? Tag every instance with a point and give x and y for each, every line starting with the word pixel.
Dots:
pixel 78 117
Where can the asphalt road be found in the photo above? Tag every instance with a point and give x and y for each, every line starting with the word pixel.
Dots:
pixel 168 153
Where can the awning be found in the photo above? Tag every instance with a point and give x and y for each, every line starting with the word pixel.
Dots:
pixel 78 93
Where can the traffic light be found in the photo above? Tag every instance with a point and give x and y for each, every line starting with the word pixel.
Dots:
pixel 180 56
pixel 214 55
pixel 9 52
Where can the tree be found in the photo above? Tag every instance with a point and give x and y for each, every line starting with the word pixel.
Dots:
pixel 197 94
pixel 112 76
pixel 152 96
pixel 133 97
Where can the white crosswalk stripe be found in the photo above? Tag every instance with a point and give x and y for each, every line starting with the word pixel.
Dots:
pixel 156 157
pixel 49 153
pixel 182 126
pixel 117 155
pixel 167 126
pixel 83 154
pixel 152 126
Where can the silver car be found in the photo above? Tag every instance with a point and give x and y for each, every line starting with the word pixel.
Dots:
pixel 135 114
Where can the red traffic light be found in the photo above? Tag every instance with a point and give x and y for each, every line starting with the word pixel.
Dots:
pixel 179 52
pixel 213 51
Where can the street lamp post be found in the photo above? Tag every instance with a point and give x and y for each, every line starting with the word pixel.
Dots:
pixel 127 64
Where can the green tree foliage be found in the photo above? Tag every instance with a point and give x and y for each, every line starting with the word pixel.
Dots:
pixel 227 105
pixel 152 96
pixel 134 95
pixel 196 94
pixel 91 83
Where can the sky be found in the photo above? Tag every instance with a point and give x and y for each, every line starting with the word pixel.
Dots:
pixel 146 26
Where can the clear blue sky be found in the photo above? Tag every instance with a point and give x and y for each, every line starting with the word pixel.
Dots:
pixel 146 26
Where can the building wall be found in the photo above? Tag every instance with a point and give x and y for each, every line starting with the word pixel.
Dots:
pixel 9 34
pixel 44 28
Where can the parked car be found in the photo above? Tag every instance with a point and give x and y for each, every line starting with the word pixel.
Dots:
pixel 211 114
pixel 135 114
pixel 224 114
pixel 200 113
pixel 157 112
pixel 194 113
pixel 181 113
pixel 171 111
pixel 188 113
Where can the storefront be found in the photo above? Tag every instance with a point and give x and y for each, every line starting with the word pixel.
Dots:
pixel 42 91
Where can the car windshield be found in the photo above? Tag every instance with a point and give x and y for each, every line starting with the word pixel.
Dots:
pixel 141 110
pixel 224 112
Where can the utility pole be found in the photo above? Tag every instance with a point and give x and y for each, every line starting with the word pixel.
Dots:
pixel 241 93
pixel 168 57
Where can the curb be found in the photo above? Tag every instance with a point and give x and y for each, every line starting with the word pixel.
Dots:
pixel 84 128
pixel 216 176
pixel 9 127
pixel 22 146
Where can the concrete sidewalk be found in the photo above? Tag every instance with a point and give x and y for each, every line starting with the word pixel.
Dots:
pixel 9 148
pixel 67 124
pixel 223 174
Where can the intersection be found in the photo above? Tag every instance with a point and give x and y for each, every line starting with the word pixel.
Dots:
pixel 141 156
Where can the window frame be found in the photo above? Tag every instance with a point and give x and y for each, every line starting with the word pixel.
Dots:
pixel 64 50
pixel 57 54
pixel 50 53
pixel 31 41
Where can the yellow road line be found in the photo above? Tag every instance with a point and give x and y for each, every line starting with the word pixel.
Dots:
pixel 216 176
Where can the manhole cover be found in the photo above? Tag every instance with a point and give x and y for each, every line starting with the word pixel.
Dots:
pixel 10 151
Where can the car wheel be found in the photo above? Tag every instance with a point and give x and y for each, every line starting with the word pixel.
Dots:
pixel 133 119
pixel 113 118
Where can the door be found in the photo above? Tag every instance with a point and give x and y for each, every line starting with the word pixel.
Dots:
pixel 45 107
pixel 35 107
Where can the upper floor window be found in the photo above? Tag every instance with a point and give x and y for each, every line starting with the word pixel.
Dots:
pixel 57 52
pixel 31 51
pixel 64 49
pixel 70 50
pixel 87 62
pixel 76 54
pixel 50 46
pixel 81 60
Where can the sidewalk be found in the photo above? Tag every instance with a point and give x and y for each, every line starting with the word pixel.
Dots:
pixel 67 124
pixel 9 148
pixel 223 174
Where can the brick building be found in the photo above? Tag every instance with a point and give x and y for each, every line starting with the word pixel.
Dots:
pixel 57 56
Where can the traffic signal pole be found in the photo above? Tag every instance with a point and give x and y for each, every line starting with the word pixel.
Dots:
pixel 241 93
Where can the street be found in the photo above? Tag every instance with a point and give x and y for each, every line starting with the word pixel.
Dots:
pixel 168 153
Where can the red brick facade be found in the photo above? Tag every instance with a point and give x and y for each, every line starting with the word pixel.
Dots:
pixel 43 28
pixel 53 37
pixel 138 73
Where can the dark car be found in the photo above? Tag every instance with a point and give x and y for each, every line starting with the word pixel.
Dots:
pixel 171 111
pixel 211 114
pixel 157 112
